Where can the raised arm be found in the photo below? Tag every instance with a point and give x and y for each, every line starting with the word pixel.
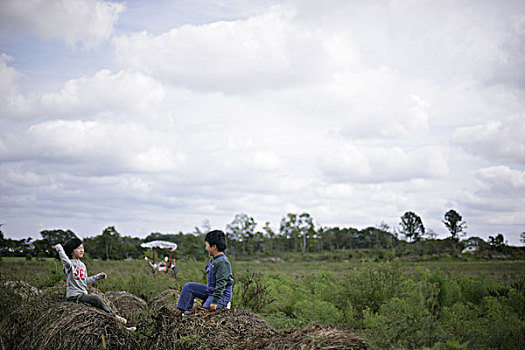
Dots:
pixel 63 257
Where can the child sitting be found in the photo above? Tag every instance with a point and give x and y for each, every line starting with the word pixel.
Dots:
pixel 77 277
pixel 218 291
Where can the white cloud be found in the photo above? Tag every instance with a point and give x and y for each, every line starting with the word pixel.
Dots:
pixel 262 52
pixel 121 94
pixel 378 164
pixel 502 180
pixel 90 147
pixel 264 161
pixel 341 109
pixel 500 140
pixel 86 21
pixel 11 101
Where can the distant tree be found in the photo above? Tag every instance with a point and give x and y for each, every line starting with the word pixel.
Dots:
pixel 106 246
pixel 454 223
pixel 432 234
pixel 269 235
pixel 53 237
pixel 297 227
pixel 412 226
pixel 206 227
pixel 242 230
pixel 522 238
pixel 496 241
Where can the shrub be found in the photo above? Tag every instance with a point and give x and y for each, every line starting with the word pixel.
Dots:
pixel 253 293
pixel 318 311
pixel 369 286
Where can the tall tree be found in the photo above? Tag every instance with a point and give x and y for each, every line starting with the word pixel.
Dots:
pixel 412 226
pixel 53 237
pixel 242 230
pixel 497 241
pixel 270 234
pixel 454 223
pixel 298 228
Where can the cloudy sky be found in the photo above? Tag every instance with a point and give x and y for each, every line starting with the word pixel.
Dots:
pixel 157 116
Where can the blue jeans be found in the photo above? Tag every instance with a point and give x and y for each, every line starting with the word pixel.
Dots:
pixel 203 292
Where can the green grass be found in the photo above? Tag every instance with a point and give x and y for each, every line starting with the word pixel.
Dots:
pixel 45 272
pixel 388 303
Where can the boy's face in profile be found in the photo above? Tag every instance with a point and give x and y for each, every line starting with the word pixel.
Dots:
pixel 78 252
pixel 212 251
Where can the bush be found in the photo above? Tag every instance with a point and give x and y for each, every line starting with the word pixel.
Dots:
pixel 369 286
pixel 252 293
pixel 318 311
pixel 409 321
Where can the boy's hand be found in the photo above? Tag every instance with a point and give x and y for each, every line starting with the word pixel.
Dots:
pixel 104 275
pixel 213 306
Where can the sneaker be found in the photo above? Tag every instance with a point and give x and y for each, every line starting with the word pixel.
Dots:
pixel 121 319
pixel 187 313
pixel 131 329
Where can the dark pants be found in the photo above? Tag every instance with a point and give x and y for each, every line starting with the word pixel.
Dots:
pixel 93 300
pixel 202 291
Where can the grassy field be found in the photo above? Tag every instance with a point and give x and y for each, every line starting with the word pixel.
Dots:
pixel 499 270
pixel 46 272
pixel 392 304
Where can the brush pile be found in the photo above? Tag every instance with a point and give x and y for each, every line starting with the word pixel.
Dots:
pixel 166 300
pixel 126 305
pixel 222 329
pixel 63 325
pixel 46 321
pixel 313 337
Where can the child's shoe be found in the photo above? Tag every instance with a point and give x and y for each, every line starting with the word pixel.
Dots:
pixel 121 319
pixel 131 329
pixel 187 313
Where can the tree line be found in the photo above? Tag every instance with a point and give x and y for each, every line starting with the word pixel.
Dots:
pixel 297 233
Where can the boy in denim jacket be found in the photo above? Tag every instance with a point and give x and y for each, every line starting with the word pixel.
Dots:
pixel 218 291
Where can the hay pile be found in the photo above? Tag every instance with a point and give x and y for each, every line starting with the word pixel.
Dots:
pixel 56 293
pixel 236 329
pixel 46 321
pixel 23 289
pixel 313 337
pixel 165 300
pixel 126 305
pixel 46 324
pixel 13 294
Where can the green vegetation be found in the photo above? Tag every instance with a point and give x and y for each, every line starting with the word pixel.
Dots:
pixel 392 304
pixel 422 294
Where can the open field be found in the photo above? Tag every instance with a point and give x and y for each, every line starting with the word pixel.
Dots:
pixel 402 304
pixel 39 271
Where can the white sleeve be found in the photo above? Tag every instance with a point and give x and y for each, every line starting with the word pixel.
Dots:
pixel 92 279
pixel 63 257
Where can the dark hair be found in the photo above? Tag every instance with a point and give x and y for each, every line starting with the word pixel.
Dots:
pixel 218 238
pixel 70 245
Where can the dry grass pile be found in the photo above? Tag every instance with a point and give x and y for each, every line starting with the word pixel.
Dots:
pixel 13 294
pixel 126 305
pixel 313 337
pixel 46 321
pixel 46 324
pixel 236 329
pixel 165 300
pixel 23 289
pixel 56 293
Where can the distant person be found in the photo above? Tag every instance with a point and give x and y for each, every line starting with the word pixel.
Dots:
pixel 218 291
pixel 78 279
